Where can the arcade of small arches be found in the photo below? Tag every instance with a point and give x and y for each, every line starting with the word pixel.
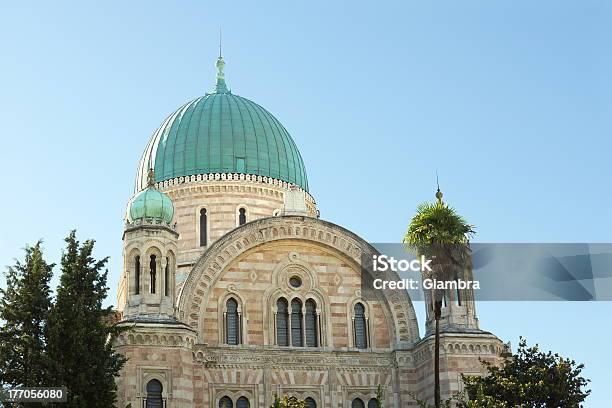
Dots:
pixel 296 323
pixel 226 401
pixel 155 399
pixel 152 271
pixel 155 396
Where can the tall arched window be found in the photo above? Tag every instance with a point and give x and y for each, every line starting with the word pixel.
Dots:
pixel 226 402
pixel 373 403
pixel 153 267
pixel 242 402
pixel 242 216
pixel 310 403
pixel 232 322
pixel 137 275
pixel 361 330
pixel 154 394
pixel 282 322
pixel 458 293
pixel 167 277
pixel 296 323
pixel 312 338
pixel 203 226
pixel 357 403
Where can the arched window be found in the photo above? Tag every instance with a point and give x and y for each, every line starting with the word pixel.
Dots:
pixel 296 323
pixel 361 330
pixel 153 266
pixel 242 216
pixel 310 403
pixel 282 322
pixel 137 275
pixel 357 403
pixel 203 226
pixel 242 402
pixel 154 394
pixel 312 338
pixel 232 322
pixel 458 293
pixel 167 277
pixel 226 402
pixel 373 403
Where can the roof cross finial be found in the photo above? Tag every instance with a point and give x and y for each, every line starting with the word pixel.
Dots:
pixel 220 54
pixel 439 194
pixel 151 177
pixel 221 87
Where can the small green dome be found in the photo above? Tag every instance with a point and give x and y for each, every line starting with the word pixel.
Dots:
pixel 222 133
pixel 150 203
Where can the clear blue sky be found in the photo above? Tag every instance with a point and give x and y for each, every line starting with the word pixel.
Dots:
pixel 510 101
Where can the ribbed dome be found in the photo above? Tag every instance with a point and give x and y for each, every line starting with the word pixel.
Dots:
pixel 150 203
pixel 222 133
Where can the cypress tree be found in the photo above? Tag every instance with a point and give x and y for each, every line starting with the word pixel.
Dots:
pixel 80 335
pixel 24 309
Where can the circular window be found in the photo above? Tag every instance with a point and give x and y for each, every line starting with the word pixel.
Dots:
pixel 295 281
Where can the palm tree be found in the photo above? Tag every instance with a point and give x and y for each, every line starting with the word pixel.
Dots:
pixel 439 233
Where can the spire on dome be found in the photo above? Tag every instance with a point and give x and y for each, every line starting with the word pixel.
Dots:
pixel 439 193
pixel 221 86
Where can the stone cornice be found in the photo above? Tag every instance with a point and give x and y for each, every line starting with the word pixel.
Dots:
pixel 208 183
pixel 149 223
pixel 482 344
pixel 155 334
pixel 226 357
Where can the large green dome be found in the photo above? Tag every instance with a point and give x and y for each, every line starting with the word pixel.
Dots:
pixel 222 133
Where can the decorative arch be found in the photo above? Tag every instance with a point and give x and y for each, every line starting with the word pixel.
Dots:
pixel 350 316
pixel 155 376
pixel 311 402
pixel 234 396
pixel 133 266
pixel 169 265
pixel 151 264
pixel 226 402
pixel 282 273
pixel 232 293
pixel 156 244
pixel 196 291
pixel 362 394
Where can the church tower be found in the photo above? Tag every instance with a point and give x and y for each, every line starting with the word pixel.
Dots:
pixel 156 343
pixel 456 306
pixel 149 254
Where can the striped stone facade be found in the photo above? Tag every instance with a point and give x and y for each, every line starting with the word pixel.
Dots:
pixel 253 265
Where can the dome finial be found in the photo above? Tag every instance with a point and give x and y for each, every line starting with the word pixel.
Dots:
pixel 221 87
pixel 151 178
pixel 439 193
pixel 220 54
